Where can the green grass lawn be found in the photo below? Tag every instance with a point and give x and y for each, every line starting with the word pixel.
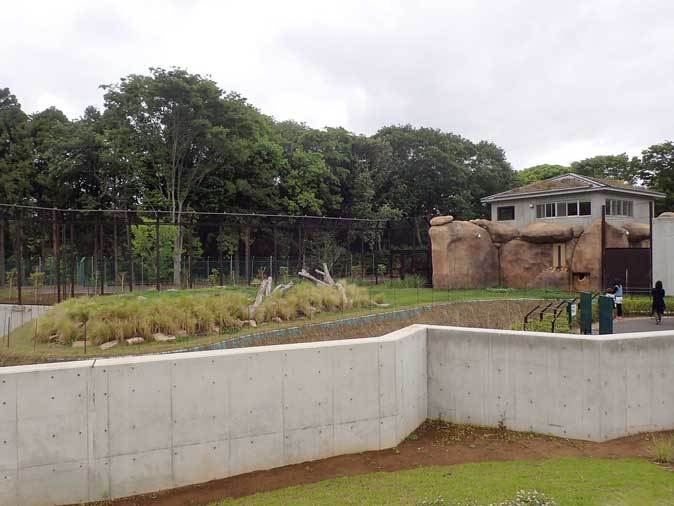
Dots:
pixel 23 349
pixel 568 481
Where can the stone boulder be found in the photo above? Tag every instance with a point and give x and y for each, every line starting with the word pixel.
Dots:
pixel 499 232
pixel 530 265
pixel 586 263
pixel 441 220
pixel 667 214
pixel 464 256
pixel 637 232
pixel 541 233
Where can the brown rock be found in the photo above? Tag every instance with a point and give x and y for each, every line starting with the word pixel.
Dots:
pixel 499 232
pixel 586 263
pixel 637 232
pixel 108 345
pixel 464 256
pixel 546 233
pixel 135 340
pixel 159 337
pixel 522 262
pixel 441 220
pixel 666 214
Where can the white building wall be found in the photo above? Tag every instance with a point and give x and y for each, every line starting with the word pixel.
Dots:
pixel 525 209
pixel 663 252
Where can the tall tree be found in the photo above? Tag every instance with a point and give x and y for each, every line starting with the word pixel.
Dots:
pixel 539 173
pixel 607 166
pixel 657 171
pixel 176 120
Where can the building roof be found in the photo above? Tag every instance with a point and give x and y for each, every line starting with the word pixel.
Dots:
pixel 571 183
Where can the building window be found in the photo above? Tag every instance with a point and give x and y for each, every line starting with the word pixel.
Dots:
pixel 563 209
pixel 505 213
pixel 615 207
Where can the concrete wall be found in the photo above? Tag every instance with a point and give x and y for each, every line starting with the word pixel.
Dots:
pixel 524 214
pixel 663 252
pixel 593 388
pixel 109 428
pixel 13 316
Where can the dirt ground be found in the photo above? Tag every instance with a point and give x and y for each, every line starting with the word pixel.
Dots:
pixel 434 443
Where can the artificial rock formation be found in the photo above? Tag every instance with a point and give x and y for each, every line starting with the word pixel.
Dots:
pixel 546 233
pixel 500 232
pixel 543 255
pixel 466 254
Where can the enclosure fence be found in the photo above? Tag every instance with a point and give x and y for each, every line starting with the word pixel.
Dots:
pixel 48 255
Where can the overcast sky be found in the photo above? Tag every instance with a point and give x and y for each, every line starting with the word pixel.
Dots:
pixel 549 81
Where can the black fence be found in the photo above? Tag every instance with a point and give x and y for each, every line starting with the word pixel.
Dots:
pixel 48 255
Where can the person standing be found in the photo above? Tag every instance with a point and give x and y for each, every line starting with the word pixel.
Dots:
pixel 658 308
pixel 618 292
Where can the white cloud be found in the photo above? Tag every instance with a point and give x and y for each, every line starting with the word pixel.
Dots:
pixel 549 82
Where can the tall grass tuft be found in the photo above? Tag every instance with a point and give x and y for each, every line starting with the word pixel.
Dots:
pixel 121 317
pixel 663 449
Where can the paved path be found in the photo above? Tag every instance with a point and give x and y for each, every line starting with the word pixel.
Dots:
pixel 642 324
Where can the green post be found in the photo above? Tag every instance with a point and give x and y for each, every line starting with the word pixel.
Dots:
pixel 605 315
pixel 586 313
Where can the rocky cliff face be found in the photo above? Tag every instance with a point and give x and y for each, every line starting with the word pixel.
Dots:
pixel 483 253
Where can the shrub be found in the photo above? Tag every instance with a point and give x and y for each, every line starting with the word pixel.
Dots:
pixel 411 281
pixel 663 449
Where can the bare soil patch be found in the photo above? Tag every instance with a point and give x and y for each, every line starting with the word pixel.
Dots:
pixel 434 443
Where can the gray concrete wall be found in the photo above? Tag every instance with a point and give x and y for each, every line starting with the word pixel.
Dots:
pixel 593 388
pixel 13 316
pixel 108 428
pixel 663 252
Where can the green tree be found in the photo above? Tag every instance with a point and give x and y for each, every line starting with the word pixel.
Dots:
pixel 16 167
pixel 657 172
pixel 618 167
pixel 308 187
pixel 176 119
pixel 539 173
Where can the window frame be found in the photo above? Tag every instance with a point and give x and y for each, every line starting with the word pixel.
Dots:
pixel 498 213
pixel 622 208
pixel 543 207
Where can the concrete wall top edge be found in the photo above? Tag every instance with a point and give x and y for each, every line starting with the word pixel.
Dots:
pixel 549 335
pixel 164 357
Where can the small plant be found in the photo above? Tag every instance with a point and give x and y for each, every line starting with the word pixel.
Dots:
pixel 381 269
pixel 411 281
pixel 378 298
pixel 663 449
pixel 432 502
pixel 121 276
pixel 11 279
pixel 37 280
pixel 283 273
pixel 214 277
pixel 528 498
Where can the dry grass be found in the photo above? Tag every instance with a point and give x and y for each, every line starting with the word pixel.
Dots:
pixel 123 317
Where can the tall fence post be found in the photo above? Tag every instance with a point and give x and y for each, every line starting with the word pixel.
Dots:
pixel 129 250
pixel 157 247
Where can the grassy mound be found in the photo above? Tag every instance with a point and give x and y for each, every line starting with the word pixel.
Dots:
pixel 126 316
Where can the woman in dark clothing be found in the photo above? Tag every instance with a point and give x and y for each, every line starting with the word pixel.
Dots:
pixel 658 294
